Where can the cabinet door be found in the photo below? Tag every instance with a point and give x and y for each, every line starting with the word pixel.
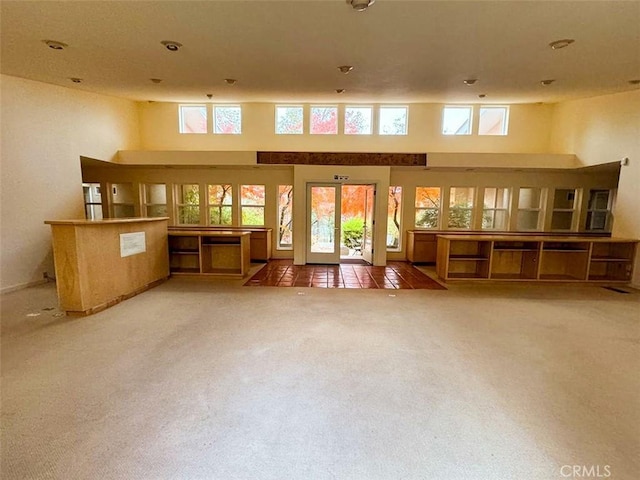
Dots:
pixel 259 246
pixel 425 248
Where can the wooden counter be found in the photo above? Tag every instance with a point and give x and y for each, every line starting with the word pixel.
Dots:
pixel 100 263
pixel 260 247
pixel 208 252
pixel 422 244
pixel 535 258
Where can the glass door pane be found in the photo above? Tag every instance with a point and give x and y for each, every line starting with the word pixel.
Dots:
pixel 324 230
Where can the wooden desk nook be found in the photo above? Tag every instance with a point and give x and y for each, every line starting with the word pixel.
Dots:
pixel 194 252
pixel 102 262
pixel 535 258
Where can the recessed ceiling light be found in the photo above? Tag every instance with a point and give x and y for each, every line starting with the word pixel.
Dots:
pixel 55 45
pixel 546 82
pixel 361 5
pixel 470 81
pixel 230 81
pixel 340 90
pixel 155 80
pixel 76 80
pixel 635 82
pixel 558 44
pixel 171 45
pixel 345 68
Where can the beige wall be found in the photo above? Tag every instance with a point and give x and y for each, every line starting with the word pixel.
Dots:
pixel 606 129
pixel 529 131
pixel 45 130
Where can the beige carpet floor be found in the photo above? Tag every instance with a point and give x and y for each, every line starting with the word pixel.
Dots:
pixel 212 380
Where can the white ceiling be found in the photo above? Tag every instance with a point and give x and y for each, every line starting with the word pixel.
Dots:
pixel 286 51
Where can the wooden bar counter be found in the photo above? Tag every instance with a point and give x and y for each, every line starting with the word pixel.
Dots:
pixel 102 262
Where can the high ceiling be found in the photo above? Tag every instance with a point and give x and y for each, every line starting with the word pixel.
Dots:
pixel 289 51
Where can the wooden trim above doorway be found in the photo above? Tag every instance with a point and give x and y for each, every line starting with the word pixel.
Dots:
pixel 343 158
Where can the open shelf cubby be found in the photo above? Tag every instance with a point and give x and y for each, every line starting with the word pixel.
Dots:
pixel 536 258
pixel 209 253
pixel 469 259
pixel 515 263
pixel 611 261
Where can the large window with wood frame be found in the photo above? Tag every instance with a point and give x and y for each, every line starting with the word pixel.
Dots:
pixel 563 215
pixel 427 207
pixel 220 204
pixel 123 200
pixel 599 210
pixel 285 217
pixel 460 207
pixel 155 199
pixel 530 200
pixel 495 212
pixel 394 216
pixel 188 204
pixel 252 199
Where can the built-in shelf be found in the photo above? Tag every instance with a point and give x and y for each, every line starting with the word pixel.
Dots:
pixel 209 253
pixel 469 258
pixel 506 258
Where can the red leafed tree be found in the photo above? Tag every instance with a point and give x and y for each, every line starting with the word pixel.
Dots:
pixel 324 120
pixel 353 201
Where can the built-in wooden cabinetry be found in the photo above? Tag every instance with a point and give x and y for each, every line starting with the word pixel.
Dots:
pixel 535 258
pixel 194 252
pixel 422 246
pixel 259 243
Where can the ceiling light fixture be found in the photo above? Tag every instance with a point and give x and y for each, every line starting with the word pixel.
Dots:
pixel 155 80
pixel 546 83
pixel 558 44
pixel 340 90
pixel 470 81
pixel 209 96
pixel 360 5
pixel 55 45
pixel 230 81
pixel 482 95
pixel 76 80
pixel 171 45
pixel 345 68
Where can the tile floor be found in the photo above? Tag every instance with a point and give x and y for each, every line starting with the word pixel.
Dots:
pixel 396 275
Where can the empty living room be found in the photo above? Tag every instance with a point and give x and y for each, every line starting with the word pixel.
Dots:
pixel 320 239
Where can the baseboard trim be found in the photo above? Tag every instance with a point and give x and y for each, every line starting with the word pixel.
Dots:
pixel 20 286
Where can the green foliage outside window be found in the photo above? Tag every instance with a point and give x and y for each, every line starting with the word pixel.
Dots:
pixel 352 232
pixel 460 215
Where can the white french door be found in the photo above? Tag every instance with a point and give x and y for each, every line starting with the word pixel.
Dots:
pixel 367 237
pixel 323 223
